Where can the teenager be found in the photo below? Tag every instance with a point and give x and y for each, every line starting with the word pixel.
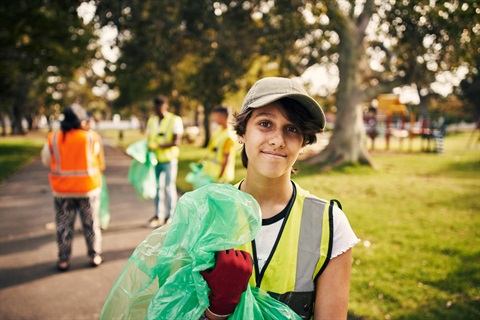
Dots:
pixel 303 253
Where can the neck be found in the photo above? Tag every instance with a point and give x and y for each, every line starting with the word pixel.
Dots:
pixel 223 124
pixel 271 194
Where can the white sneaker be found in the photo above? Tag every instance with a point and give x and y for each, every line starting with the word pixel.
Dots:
pixel 154 222
pixel 97 260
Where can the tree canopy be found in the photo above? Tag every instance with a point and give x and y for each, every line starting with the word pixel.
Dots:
pixel 200 52
pixel 206 48
pixel 41 47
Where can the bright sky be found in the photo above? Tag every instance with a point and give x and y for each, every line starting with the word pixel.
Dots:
pixel 323 81
pixel 107 34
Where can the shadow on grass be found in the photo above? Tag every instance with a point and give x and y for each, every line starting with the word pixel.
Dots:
pixel 472 166
pixel 461 286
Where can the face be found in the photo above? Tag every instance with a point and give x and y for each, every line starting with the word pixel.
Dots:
pixel 215 117
pixel 218 118
pixel 272 142
pixel 161 110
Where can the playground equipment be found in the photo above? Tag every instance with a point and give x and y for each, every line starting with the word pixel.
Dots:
pixel 393 119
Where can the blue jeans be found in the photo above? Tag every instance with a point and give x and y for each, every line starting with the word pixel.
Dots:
pixel 166 197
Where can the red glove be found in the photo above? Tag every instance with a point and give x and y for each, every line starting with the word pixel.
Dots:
pixel 228 280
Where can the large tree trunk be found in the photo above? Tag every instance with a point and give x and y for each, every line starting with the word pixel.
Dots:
pixel 20 99
pixel 3 124
pixel 347 144
pixel 17 128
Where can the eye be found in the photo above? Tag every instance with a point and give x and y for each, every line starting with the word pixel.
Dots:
pixel 265 124
pixel 292 129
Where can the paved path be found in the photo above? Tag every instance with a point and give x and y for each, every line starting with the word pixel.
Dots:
pixel 30 285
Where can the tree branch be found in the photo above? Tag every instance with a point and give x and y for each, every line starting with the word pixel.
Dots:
pixel 364 19
pixel 383 87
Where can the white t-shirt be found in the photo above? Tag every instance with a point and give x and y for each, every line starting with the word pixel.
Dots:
pixel 177 126
pixel 343 237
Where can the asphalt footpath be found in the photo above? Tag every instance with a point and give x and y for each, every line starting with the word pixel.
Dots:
pixel 30 285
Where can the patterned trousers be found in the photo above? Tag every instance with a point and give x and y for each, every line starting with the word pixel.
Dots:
pixel 65 212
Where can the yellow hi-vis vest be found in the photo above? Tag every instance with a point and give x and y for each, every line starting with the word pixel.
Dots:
pixel 300 254
pixel 74 168
pixel 160 132
pixel 216 156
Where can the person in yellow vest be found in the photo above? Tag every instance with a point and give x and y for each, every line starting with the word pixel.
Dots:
pixel 220 160
pixel 164 135
pixel 303 253
pixel 76 161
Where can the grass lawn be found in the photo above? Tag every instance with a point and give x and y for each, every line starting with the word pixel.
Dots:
pixel 16 151
pixel 416 213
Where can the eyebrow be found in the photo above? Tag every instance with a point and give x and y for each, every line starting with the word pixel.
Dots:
pixel 265 114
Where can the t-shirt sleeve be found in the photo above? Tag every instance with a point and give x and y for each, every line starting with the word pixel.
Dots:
pixel 229 144
pixel 45 155
pixel 343 236
pixel 178 126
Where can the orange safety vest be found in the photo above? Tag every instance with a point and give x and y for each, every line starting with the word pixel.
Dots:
pixel 74 168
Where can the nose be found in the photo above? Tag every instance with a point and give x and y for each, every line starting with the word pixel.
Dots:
pixel 276 139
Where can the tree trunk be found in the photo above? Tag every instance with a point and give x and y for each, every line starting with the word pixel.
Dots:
pixel 206 122
pixel 347 144
pixel 20 99
pixel 17 128
pixel 3 124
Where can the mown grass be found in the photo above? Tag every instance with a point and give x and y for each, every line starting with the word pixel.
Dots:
pixel 416 213
pixel 16 151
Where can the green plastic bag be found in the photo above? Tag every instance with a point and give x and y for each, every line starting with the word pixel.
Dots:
pixel 140 152
pixel 104 213
pixel 197 177
pixel 162 280
pixel 141 173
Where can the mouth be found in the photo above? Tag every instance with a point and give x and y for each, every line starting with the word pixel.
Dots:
pixel 274 154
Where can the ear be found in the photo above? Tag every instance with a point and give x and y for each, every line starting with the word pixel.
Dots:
pixel 240 139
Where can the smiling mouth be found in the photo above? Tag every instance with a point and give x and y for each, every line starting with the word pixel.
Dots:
pixel 274 154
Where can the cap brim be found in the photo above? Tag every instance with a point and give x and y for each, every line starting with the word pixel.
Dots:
pixel 309 103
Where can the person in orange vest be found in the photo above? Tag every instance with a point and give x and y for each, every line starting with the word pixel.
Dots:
pixel 75 158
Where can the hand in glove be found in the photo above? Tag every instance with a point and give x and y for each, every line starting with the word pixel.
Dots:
pixel 228 280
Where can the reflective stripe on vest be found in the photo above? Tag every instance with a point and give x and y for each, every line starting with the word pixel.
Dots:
pixel 302 249
pixel 74 169
pixel 161 132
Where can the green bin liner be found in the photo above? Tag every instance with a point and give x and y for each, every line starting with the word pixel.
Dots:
pixel 141 173
pixel 197 177
pixel 162 279
pixel 104 213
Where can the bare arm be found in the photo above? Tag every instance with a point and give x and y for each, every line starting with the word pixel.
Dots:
pixel 224 165
pixel 101 158
pixel 333 286
pixel 229 144
pixel 45 155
